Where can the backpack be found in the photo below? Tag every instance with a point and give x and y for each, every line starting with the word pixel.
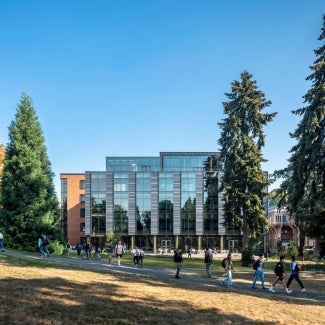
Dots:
pixel 255 264
pixel 207 257
pixel 223 263
pixel 176 256
pixel 45 240
pixel 277 268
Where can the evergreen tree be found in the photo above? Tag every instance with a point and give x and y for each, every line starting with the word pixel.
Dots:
pixel 29 203
pixel 307 163
pixel 242 138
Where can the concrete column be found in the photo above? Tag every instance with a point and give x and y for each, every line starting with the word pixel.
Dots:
pixel 221 243
pixel 176 242
pixel 155 244
pixel 132 242
pixel 199 243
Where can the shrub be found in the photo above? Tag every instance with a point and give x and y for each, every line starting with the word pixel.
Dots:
pixel 247 256
pixel 56 247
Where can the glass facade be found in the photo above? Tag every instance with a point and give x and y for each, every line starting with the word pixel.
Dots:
pixel 175 194
pixel 121 202
pixel 98 203
pixel 166 203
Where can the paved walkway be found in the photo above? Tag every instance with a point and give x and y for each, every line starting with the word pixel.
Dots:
pixel 194 276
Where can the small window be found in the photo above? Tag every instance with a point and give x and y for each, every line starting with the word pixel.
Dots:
pixel 82 184
pixel 82 212
pixel 82 226
pixel 82 198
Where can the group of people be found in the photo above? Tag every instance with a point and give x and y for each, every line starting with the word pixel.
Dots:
pixel 138 255
pixel 227 264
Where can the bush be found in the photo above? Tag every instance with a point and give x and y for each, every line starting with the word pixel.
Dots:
pixel 247 256
pixel 291 251
pixel 56 247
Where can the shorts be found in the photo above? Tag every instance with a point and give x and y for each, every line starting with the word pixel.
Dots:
pixel 119 255
pixel 280 276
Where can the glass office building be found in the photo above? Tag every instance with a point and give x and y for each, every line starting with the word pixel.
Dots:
pixel 171 200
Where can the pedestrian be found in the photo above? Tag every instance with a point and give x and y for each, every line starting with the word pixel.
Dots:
pixel 88 249
pixel 228 271
pixel 208 257
pixel 259 274
pixel 189 255
pixel 279 271
pixel 295 268
pixel 1 242
pixel 141 256
pixel 98 251
pixel 79 249
pixel 178 259
pixel 68 248
pixel 110 252
pixel 119 250
pixel 136 254
pixel 43 241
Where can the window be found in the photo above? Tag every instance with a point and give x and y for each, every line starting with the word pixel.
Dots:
pixel 82 198
pixel 82 185
pixel 82 213
pixel 82 226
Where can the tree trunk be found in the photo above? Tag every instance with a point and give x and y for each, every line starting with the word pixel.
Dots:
pixel 244 231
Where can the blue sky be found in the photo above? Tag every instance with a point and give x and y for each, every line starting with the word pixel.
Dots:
pixel 136 77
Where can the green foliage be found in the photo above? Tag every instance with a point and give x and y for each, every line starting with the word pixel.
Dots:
pixel 280 248
pixel 306 181
pixel 247 256
pixel 241 141
pixel 29 204
pixel 111 236
pixel 291 251
pixel 56 247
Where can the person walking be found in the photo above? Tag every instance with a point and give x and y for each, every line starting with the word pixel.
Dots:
pixel 88 250
pixel 119 250
pixel 136 254
pixel 141 256
pixel 294 267
pixel 43 241
pixel 79 249
pixel 110 252
pixel 259 274
pixel 1 242
pixel 68 248
pixel 98 251
pixel 208 257
pixel 279 271
pixel 228 270
pixel 178 259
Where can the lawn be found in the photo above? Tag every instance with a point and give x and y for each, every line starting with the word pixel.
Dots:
pixel 42 292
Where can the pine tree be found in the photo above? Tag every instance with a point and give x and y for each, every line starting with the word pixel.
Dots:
pixel 307 163
pixel 242 138
pixel 29 203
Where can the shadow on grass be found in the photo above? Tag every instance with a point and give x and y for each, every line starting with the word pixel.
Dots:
pixel 57 301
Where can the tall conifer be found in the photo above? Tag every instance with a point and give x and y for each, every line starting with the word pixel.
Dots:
pixel 307 163
pixel 29 203
pixel 241 141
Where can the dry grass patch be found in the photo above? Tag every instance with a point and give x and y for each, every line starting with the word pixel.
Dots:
pixel 50 294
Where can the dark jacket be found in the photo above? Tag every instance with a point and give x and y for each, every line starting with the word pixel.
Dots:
pixel 178 258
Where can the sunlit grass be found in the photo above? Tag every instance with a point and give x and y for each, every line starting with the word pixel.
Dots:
pixel 41 292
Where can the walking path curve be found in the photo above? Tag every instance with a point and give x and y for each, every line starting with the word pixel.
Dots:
pixel 188 275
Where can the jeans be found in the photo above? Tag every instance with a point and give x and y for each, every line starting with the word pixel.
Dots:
pixel 43 250
pixel 110 257
pixel 1 245
pixel 258 274
pixel 228 279
pixel 207 267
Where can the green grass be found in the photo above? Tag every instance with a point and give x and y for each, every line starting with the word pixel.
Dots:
pixel 166 261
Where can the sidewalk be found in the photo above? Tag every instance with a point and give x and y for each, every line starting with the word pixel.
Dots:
pixel 192 276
